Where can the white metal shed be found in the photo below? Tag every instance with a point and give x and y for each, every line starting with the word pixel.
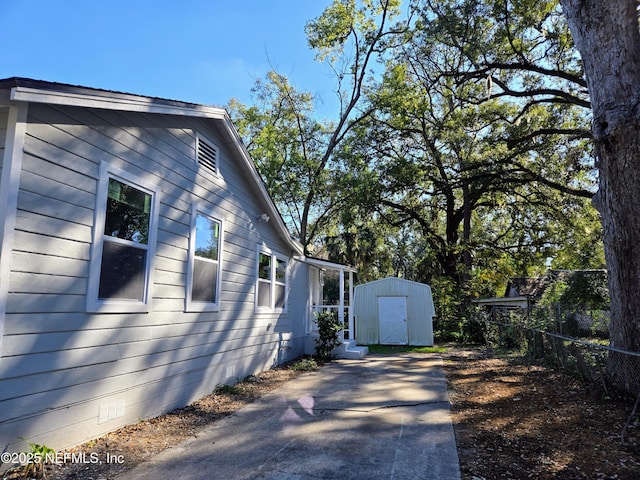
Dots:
pixel 394 311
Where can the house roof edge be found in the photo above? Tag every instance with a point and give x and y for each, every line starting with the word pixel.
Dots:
pixel 40 91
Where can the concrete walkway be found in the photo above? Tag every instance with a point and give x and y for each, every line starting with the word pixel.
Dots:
pixel 383 417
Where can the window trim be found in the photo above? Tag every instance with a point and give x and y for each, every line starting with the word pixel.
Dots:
pixel 94 303
pixel 275 256
pixel 197 306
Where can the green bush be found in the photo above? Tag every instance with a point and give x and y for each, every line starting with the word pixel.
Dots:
pixel 221 388
pixel 304 365
pixel 329 333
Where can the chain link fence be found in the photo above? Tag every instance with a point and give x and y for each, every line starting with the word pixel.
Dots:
pixel 574 341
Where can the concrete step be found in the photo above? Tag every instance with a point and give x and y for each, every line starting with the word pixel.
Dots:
pixel 353 351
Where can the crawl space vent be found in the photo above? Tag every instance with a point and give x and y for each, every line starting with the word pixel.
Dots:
pixel 207 155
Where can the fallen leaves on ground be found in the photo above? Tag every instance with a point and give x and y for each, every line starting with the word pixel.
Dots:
pixel 512 421
pixel 139 442
pixel 517 421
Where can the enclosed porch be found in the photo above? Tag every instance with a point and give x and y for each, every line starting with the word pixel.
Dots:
pixel 331 290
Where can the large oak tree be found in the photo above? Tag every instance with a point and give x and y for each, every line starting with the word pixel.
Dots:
pixel 606 34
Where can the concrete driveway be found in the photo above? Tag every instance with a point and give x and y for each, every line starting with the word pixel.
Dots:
pixel 382 417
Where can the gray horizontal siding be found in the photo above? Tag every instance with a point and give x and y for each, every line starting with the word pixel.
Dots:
pixel 49 264
pixel 57 180
pixel 51 227
pixel 39 243
pixel 61 322
pixel 142 400
pixel 132 355
pixel 58 362
pixel 38 283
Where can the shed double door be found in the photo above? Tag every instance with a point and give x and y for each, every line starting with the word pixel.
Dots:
pixel 392 320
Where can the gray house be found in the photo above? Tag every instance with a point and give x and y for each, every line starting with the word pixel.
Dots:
pixel 142 262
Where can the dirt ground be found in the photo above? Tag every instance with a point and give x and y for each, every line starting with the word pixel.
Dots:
pixel 515 421
pixel 512 421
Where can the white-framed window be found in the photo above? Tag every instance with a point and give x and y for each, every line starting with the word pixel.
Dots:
pixel 272 281
pixel 124 242
pixel 205 252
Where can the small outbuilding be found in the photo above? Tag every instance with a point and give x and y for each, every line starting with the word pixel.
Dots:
pixel 393 311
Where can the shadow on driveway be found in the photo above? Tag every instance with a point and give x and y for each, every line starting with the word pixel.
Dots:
pixel 382 417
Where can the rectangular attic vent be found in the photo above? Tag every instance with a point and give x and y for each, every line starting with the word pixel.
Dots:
pixel 207 155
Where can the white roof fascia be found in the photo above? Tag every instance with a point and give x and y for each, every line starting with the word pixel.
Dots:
pixel 327 264
pixel 274 214
pixel 134 103
pixel 112 101
pixel 500 299
pixel 394 279
pixel 521 302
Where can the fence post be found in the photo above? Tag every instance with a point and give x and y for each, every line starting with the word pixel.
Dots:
pixel 559 318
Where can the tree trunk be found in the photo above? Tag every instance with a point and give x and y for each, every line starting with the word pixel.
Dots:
pixel 619 205
pixel 607 37
pixel 467 259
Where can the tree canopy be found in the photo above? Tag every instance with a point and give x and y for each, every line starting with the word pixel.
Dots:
pixel 461 154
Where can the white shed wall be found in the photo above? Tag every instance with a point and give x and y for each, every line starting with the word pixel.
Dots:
pixel 420 310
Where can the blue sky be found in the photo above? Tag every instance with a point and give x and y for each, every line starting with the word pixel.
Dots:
pixel 201 51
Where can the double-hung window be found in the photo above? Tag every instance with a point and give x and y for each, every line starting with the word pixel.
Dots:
pixel 124 240
pixel 203 279
pixel 271 288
